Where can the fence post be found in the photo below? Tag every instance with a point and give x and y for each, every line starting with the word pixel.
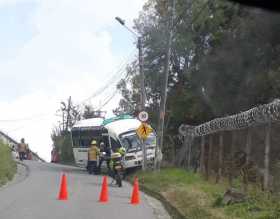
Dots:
pixel 248 145
pixel 202 155
pixel 186 152
pixel 248 158
pixel 190 151
pixel 266 155
pixel 221 152
pixel 231 162
pixel 210 151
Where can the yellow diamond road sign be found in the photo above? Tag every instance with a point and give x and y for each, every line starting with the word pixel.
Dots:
pixel 144 131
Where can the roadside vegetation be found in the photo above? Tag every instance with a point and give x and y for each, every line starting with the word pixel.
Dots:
pixel 195 198
pixel 7 164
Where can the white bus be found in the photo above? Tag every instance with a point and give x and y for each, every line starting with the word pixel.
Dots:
pixel 82 133
pixel 115 132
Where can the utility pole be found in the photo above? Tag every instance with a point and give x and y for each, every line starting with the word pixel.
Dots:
pixel 165 85
pixel 68 114
pixel 143 96
pixel 142 81
pixel 63 109
pixel 142 76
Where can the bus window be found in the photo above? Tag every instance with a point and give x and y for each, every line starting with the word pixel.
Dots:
pixel 114 144
pixel 86 136
pixel 75 138
pixel 75 142
pixel 85 142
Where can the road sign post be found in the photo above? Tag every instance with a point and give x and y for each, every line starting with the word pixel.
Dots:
pixel 144 155
pixel 143 132
pixel 143 116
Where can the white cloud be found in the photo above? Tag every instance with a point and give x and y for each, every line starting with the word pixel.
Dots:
pixel 70 54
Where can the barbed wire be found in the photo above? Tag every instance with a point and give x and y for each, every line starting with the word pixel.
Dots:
pixel 262 114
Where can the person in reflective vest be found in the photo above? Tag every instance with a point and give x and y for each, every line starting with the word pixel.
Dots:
pixel 122 151
pixel 93 154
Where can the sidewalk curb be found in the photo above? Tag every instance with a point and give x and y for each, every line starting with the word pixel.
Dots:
pixel 173 212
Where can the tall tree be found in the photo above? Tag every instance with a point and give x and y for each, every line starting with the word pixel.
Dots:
pixel 225 59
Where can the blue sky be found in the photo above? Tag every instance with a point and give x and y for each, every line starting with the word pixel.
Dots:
pixel 51 49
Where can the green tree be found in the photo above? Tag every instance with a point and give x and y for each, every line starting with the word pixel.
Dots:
pixel 225 59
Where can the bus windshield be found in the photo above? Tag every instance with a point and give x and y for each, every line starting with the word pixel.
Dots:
pixel 131 142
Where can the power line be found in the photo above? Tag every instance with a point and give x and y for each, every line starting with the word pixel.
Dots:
pixel 108 100
pixel 26 118
pixel 114 94
pixel 117 75
pixel 15 129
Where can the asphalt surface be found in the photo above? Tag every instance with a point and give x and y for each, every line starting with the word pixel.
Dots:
pixel 35 197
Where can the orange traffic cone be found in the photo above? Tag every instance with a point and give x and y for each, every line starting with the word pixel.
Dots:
pixel 135 198
pixel 104 191
pixel 63 194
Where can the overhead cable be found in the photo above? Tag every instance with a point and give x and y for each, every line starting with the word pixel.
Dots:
pixel 112 80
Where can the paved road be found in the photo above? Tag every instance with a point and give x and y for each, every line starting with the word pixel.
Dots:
pixel 36 197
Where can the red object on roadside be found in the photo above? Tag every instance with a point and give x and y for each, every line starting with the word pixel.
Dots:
pixel 54 156
pixel 135 198
pixel 63 193
pixel 104 191
pixel 29 156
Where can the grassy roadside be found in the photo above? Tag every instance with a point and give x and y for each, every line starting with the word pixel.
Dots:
pixel 194 198
pixel 7 164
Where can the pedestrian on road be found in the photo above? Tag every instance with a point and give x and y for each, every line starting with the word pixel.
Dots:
pixel 93 155
pixel 22 147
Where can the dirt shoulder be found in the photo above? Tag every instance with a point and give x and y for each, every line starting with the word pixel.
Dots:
pixel 187 195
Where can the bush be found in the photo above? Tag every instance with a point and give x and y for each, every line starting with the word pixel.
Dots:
pixel 7 164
